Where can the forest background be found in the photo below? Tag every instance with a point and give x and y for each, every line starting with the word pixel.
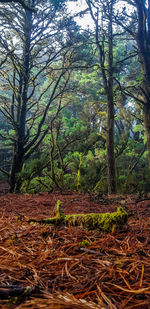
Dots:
pixel 75 103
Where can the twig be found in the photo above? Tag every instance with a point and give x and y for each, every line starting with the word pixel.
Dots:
pixel 92 251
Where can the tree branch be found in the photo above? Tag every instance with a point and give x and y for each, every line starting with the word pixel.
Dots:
pixel 22 2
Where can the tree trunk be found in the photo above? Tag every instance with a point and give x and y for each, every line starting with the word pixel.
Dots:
pixel 146 118
pixel 106 67
pixel 143 43
pixel 19 144
pixel 111 175
pixel 17 163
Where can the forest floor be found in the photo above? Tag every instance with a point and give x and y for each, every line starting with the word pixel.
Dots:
pixel 50 267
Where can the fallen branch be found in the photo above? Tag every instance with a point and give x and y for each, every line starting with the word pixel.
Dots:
pixel 15 291
pixel 106 222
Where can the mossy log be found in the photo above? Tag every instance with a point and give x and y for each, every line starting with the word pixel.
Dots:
pixel 106 222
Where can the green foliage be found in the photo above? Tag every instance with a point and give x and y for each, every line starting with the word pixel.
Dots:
pixel 133 174
pixel 57 3
pixel 37 184
pixel 101 186
pixel 84 170
pixel 32 175
pixel 76 140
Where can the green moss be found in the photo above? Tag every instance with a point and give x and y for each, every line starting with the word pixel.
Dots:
pixel 59 218
pixel 52 221
pixel 59 211
pixel 103 222
pixel 106 222
pixel 32 222
pixel 84 243
pixel 13 300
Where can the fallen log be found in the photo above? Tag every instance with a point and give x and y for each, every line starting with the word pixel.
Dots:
pixel 106 222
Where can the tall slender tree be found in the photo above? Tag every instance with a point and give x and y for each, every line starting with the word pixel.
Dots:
pixel 102 15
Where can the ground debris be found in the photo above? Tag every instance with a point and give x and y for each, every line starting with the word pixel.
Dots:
pixel 73 268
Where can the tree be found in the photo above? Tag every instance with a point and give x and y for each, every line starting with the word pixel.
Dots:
pixel 102 15
pixel 38 53
pixel 25 6
pixel 137 25
pixel 22 2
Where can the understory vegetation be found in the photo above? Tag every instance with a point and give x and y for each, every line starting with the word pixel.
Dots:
pixel 75 99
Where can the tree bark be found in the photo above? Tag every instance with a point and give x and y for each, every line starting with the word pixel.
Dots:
pixel 146 118
pixel 18 148
pixel 17 164
pixel 107 77
pixel 111 175
pixel 143 43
